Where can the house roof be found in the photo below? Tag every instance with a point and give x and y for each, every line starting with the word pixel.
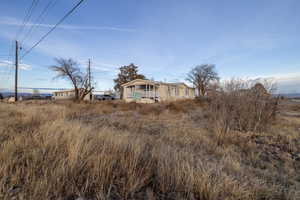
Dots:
pixel 153 82
pixel 63 91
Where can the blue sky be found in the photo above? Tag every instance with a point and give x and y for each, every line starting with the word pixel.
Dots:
pixel 165 38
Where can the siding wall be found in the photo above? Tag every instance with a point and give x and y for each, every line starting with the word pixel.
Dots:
pixel 165 92
pixel 170 93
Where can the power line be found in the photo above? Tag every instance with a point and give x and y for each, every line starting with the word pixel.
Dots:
pixel 40 19
pixel 27 17
pixel 52 29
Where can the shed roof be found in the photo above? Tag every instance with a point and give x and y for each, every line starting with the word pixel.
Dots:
pixel 63 91
pixel 71 90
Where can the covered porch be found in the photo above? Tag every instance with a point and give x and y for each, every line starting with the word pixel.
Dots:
pixel 142 91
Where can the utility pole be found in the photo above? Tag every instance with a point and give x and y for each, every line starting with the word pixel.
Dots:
pixel 89 73
pixel 16 71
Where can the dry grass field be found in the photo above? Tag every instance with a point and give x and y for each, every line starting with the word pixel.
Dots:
pixel 112 150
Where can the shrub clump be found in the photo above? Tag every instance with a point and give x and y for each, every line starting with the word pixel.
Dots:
pixel 242 107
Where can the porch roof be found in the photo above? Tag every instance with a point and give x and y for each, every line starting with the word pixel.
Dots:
pixel 140 82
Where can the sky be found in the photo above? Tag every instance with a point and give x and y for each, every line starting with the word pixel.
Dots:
pixel 164 38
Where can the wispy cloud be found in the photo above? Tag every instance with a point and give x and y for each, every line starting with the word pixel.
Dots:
pixel 16 22
pixel 105 67
pixel 101 66
pixel 9 64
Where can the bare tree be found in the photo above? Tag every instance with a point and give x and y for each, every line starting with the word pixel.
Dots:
pixel 201 75
pixel 69 69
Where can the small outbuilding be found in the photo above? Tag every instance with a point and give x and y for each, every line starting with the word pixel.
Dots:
pixel 67 95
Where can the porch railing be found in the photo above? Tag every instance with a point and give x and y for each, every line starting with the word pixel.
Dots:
pixel 143 94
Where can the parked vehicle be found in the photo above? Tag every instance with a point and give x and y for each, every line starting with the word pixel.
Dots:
pixel 1 96
pixel 104 97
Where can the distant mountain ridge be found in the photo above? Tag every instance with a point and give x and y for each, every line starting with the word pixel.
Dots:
pixel 23 94
pixel 290 95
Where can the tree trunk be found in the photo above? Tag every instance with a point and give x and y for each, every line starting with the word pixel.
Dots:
pixel 76 94
pixel 84 93
pixel 121 93
pixel 203 91
pixel 199 92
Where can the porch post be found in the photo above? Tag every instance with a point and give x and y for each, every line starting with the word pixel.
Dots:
pixel 134 91
pixel 154 88
pixel 147 90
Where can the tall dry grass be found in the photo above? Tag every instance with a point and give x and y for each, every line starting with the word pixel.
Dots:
pixel 112 150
